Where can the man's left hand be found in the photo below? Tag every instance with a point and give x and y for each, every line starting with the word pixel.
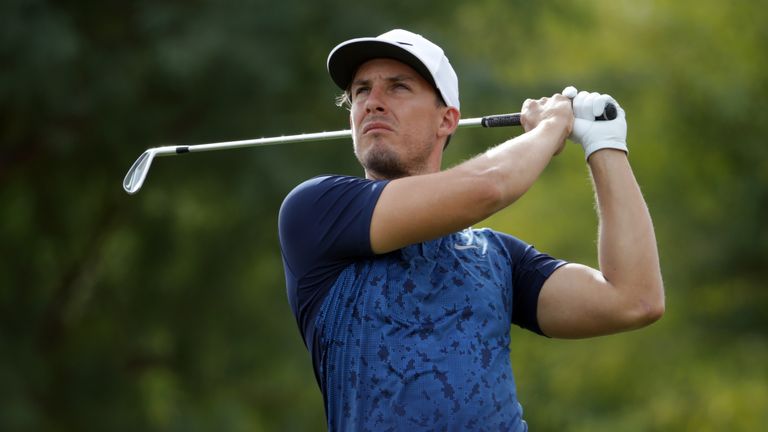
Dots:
pixel 594 135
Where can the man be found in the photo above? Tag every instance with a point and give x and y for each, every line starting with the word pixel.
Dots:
pixel 405 310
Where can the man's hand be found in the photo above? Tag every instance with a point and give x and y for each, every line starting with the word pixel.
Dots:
pixel 554 112
pixel 597 135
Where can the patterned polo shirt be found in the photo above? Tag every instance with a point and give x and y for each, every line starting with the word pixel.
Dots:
pixel 416 339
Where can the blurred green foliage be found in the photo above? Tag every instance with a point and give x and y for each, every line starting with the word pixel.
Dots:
pixel 166 310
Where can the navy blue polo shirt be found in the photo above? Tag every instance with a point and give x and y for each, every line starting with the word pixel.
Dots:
pixel 415 339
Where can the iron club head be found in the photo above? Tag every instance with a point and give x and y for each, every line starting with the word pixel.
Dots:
pixel 138 172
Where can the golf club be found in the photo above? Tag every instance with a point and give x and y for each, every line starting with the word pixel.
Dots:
pixel 138 171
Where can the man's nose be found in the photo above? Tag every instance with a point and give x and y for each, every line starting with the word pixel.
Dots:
pixel 375 100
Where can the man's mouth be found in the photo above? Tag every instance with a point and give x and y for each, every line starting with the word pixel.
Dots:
pixel 375 127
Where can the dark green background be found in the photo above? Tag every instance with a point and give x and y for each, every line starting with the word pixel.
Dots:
pixel 166 310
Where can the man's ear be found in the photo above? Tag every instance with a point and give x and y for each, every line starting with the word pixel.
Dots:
pixel 449 121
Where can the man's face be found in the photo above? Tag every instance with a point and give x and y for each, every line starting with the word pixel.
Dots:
pixel 395 117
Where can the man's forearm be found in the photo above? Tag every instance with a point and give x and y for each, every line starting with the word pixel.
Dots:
pixel 627 250
pixel 418 208
pixel 516 164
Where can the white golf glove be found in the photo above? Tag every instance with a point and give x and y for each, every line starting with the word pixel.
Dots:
pixel 601 134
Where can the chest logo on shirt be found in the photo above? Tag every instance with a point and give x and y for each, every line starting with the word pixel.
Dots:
pixel 468 240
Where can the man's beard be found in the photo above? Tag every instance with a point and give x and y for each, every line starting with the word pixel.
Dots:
pixel 382 162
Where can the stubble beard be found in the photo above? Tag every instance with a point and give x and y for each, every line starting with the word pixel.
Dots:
pixel 382 162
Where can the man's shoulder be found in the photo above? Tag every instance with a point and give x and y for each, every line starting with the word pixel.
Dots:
pixel 330 207
pixel 317 188
pixel 313 187
pixel 322 182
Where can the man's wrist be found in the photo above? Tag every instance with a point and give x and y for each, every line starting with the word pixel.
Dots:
pixel 556 130
pixel 604 145
pixel 606 154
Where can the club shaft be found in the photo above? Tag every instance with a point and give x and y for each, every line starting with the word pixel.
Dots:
pixel 488 121
pixel 491 121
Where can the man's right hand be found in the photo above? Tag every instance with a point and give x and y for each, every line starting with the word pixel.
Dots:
pixel 554 112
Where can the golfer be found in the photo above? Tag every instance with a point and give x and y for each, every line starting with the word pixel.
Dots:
pixel 405 309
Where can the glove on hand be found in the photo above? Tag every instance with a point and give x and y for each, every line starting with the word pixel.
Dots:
pixel 596 135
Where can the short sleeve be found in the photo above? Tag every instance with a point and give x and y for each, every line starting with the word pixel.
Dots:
pixel 530 269
pixel 324 225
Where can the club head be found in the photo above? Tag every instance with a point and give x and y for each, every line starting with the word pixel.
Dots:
pixel 138 172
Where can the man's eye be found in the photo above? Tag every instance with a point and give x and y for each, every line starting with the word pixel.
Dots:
pixel 360 90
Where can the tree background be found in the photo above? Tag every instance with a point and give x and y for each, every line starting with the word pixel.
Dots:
pixel 166 310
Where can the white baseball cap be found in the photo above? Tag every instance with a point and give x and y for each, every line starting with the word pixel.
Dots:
pixel 414 50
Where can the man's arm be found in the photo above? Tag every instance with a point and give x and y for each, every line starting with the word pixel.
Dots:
pixel 578 301
pixel 424 207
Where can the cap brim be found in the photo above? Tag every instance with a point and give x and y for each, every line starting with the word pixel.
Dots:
pixel 346 58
